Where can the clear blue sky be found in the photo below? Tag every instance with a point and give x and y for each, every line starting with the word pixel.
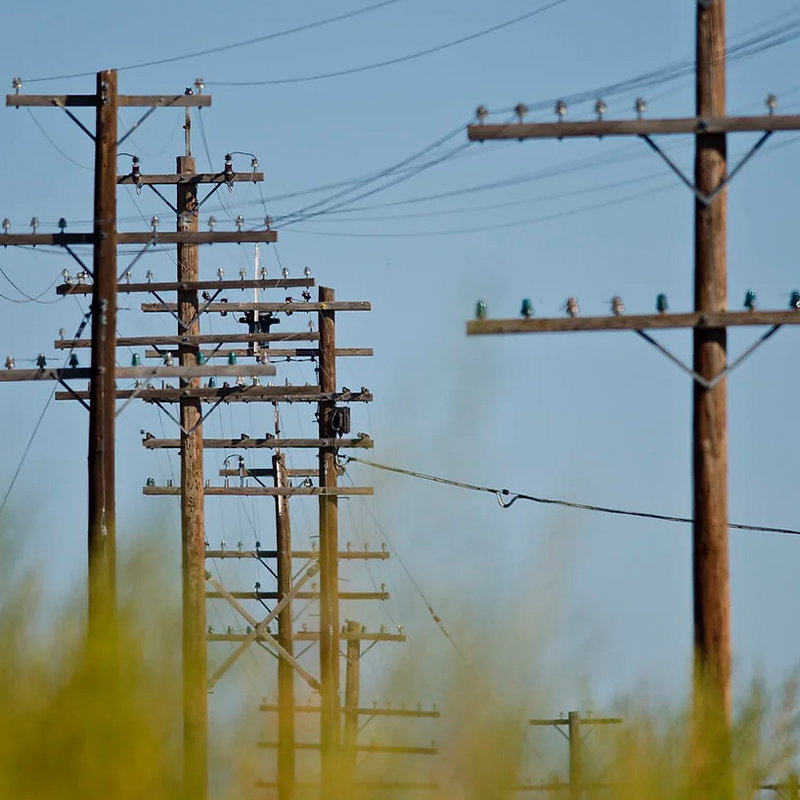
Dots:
pixel 597 418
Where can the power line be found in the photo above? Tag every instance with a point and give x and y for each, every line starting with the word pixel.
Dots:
pixel 520 222
pixel 492 206
pixel 29 298
pixel 234 45
pixel 382 173
pixel 411 174
pixel 399 60
pixel 328 186
pixel 502 494
pixel 779 35
pixel 55 146
pixel 222 203
pixel 500 225
pixel 39 421
pixel 590 162
pixel 434 616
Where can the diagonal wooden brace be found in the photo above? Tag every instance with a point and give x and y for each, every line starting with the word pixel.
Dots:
pixel 260 630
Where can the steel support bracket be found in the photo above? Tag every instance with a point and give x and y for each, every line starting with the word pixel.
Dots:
pixel 707 199
pixel 699 379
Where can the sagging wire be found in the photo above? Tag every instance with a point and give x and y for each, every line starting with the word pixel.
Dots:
pixel 31 298
pixel 84 322
pixel 434 616
pixel 506 498
pixel 399 60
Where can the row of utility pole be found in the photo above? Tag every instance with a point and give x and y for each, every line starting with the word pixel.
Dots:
pixel 190 357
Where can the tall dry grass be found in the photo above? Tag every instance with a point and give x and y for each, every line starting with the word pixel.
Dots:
pixel 96 726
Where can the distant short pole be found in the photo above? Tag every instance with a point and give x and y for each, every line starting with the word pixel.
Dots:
pixel 575 756
pixel 351 703
pixel 794 787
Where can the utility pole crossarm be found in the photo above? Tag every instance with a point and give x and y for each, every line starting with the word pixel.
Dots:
pixel 365 748
pixel 270 491
pixel 312 636
pixel 233 394
pixel 301 555
pixel 266 472
pixel 633 322
pixel 192 286
pixel 267 444
pixel 565 722
pixel 143 237
pixel 207 338
pixel 299 596
pixel 385 786
pixel 289 307
pixel 378 711
pixel 141 373
pixel 190 178
pixel 481 132
pixel 276 352
pixel 124 100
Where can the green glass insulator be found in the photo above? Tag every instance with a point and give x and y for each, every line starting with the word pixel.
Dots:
pixel 795 300
pixel 212 384
pixel 136 361
pixel 750 300
pixel 232 358
pixel 527 308
pixel 480 310
pixel 661 304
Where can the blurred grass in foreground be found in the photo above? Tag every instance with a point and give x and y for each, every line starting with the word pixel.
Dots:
pixel 77 725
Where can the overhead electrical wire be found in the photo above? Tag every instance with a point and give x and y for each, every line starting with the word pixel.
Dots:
pixel 293 219
pixel 755 45
pixel 26 451
pixel 400 59
pixel 339 208
pixel 493 206
pixel 516 223
pixel 340 184
pixel 434 616
pixel 506 204
pixel 497 226
pixel 380 174
pixel 31 298
pixel 507 498
pixel 55 146
pixel 226 47
pixel 746 48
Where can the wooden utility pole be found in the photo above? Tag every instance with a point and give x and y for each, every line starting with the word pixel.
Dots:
pixel 575 756
pixel 328 555
pixel 351 704
pixel 195 671
pixel 710 127
pixel 710 446
pixel 100 399
pixel 573 723
pixel 286 738
pixel 102 408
